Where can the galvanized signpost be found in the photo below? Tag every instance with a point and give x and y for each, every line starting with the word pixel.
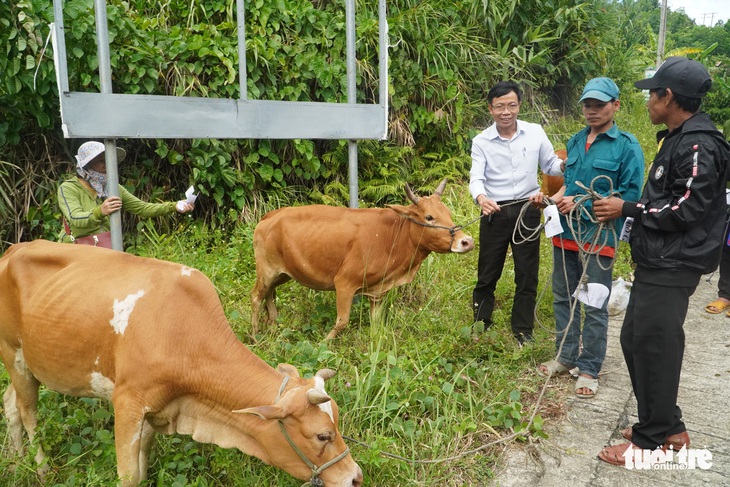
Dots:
pixel 87 115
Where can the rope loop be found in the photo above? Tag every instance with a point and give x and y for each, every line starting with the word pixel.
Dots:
pixel 591 239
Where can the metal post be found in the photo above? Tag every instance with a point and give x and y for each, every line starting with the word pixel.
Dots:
pixel 662 34
pixel 105 79
pixel 59 48
pixel 241 22
pixel 351 97
pixel 383 61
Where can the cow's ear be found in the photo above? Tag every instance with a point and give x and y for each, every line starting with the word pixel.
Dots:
pixel 288 370
pixel 400 209
pixel 263 412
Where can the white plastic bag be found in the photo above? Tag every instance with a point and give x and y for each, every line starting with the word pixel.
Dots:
pixel 620 291
pixel 591 294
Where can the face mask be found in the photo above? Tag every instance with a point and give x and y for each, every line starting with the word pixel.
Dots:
pixel 96 179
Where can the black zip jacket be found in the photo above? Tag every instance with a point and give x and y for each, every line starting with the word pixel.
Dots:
pixel 679 222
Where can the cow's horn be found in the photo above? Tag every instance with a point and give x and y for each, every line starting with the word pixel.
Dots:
pixel 315 397
pixel 410 195
pixel 440 189
pixel 325 374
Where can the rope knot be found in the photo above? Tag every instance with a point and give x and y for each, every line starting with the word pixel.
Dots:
pixel 315 481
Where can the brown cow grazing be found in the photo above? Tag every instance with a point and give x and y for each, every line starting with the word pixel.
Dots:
pixel 349 250
pixel 152 337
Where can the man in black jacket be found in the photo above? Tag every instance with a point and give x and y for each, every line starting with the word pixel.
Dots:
pixel 677 236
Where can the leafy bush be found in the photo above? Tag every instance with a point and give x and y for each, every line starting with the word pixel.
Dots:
pixel 717 102
pixel 443 58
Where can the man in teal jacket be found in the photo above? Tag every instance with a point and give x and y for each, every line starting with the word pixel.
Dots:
pixel 84 203
pixel 602 161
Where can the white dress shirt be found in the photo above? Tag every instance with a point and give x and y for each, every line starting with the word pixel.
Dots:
pixel 506 169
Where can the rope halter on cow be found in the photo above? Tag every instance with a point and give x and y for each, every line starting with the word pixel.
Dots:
pixel 437 192
pixel 452 230
pixel 314 481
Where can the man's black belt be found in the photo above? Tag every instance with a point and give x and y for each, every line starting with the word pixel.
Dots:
pixel 507 202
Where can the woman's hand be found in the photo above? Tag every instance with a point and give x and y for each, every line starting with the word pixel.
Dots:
pixel 110 205
pixel 183 206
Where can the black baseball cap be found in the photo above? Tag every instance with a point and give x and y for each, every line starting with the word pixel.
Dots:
pixel 681 75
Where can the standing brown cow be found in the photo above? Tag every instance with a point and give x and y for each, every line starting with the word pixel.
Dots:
pixel 151 336
pixel 349 250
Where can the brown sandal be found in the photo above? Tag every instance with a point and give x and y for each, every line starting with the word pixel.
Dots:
pixel 675 441
pixel 615 454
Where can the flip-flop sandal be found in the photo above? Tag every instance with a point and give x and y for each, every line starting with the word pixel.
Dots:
pixel 615 454
pixel 553 368
pixel 586 383
pixel 716 307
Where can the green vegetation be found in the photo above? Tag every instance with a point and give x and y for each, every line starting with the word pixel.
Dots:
pixel 421 382
pixel 443 59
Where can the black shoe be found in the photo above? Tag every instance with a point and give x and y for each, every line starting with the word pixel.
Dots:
pixel 523 339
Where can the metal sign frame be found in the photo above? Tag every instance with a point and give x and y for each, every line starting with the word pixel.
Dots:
pixel 85 115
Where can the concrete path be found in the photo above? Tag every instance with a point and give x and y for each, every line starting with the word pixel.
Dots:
pixel 568 457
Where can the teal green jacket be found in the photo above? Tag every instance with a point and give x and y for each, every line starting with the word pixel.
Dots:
pixel 614 154
pixel 81 208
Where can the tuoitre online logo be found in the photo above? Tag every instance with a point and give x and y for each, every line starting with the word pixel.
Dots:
pixel 684 459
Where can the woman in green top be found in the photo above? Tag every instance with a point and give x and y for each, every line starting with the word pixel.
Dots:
pixel 84 203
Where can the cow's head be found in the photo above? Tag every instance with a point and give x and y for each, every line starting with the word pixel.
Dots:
pixel 432 219
pixel 306 441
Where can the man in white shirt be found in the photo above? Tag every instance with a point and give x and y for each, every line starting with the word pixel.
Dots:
pixel 505 158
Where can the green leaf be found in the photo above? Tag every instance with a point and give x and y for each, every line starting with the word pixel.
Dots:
pixel 266 172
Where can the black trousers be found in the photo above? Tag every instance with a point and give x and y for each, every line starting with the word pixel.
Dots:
pixel 495 237
pixel 723 283
pixel 652 340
